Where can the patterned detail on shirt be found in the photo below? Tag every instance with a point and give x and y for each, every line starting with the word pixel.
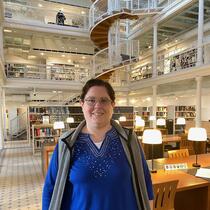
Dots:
pixel 99 161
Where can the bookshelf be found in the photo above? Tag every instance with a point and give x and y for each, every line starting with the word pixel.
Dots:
pixel 187 112
pixel 128 112
pixel 55 113
pixel 42 133
pixel 161 112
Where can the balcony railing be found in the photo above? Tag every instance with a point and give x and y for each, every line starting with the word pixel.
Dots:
pixel 184 59
pixel 47 72
pixel 40 15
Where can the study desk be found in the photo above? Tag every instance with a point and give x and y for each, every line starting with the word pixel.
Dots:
pixel 193 193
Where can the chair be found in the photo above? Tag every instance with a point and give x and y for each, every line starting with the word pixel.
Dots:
pixel 164 194
pixel 185 144
pixel 178 153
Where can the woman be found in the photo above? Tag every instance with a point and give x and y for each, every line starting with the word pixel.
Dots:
pixel 95 167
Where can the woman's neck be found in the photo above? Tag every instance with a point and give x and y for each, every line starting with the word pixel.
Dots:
pixel 97 134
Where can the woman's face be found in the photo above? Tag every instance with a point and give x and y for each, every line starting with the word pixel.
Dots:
pixel 97 107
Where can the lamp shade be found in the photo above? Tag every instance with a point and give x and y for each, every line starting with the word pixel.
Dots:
pixel 197 134
pixel 139 121
pixel 58 125
pixel 70 120
pixel 161 121
pixel 152 136
pixel 180 121
pixel 122 118
pixel 152 117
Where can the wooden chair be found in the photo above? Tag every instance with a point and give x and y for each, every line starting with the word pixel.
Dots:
pixel 178 153
pixel 185 144
pixel 164 194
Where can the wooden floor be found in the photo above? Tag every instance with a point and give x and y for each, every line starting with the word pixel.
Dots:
pixel 21 177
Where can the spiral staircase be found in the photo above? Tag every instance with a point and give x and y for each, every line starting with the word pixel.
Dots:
pixel 103 15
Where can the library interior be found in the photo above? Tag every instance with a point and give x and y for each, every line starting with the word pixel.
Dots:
pixel 156 56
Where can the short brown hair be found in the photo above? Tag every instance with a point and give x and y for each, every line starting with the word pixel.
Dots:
pixel 98 82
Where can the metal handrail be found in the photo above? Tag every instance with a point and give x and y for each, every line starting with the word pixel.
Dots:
pixel 102 61
pixel 101 8
pixel 173 61
pixel 41 15
pixel 47 72
pixel 18 124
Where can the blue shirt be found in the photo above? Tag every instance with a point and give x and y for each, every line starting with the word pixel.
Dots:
pixel 99 179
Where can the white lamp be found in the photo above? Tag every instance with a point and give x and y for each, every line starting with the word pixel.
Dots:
pixel 139 121
pixel 152 118
pixel 152 136
pixel 197 134
pixel 122 118
pixel 58 125
pixel 161 122
pixel 180 121
pixel 70 120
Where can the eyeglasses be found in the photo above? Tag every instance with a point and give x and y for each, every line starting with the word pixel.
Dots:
pixel 101 101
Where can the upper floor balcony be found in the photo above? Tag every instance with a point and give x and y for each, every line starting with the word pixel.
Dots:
pixel 45 16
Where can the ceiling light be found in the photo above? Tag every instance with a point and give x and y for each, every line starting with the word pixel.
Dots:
pixel 31 56
pixel 41 53
pixel 83 57
pixel 82 12
pixel 69 60
pixel 63 56
pixel 7 30
pixel 40 5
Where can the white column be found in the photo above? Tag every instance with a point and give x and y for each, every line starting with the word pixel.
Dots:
pixel 127 99
pixel 1 43
pixel 154 104
pixel 154 60
pixel 4 113
pixel 198 102
pixel 1 122
pixel 200 33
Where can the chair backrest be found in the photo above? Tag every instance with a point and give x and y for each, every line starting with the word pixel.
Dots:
pixel 164 194
pixel 185 144
pixel 178 153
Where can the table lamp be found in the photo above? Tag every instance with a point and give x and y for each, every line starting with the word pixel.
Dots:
pixel 58 125
pixel 152 136
pixel 139 122
pixel 181 122
pixel 161 122
pixel 197 134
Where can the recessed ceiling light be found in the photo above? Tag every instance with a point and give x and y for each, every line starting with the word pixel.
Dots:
pixel 69 60
pixel 82 12
pixel 63 55
pixel 83 57
pixel 42 53
pixel 7 30
pixel 40 5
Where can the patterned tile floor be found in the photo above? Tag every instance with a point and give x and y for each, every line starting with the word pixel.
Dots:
pixel 21 177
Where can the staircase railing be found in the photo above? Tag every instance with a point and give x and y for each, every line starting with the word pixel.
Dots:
pixel 18 126
pixel 101 8
pixel 128 52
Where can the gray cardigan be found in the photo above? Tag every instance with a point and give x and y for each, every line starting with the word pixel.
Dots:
pixel 66 142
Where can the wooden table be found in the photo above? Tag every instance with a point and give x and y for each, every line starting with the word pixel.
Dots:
pixel 193 193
